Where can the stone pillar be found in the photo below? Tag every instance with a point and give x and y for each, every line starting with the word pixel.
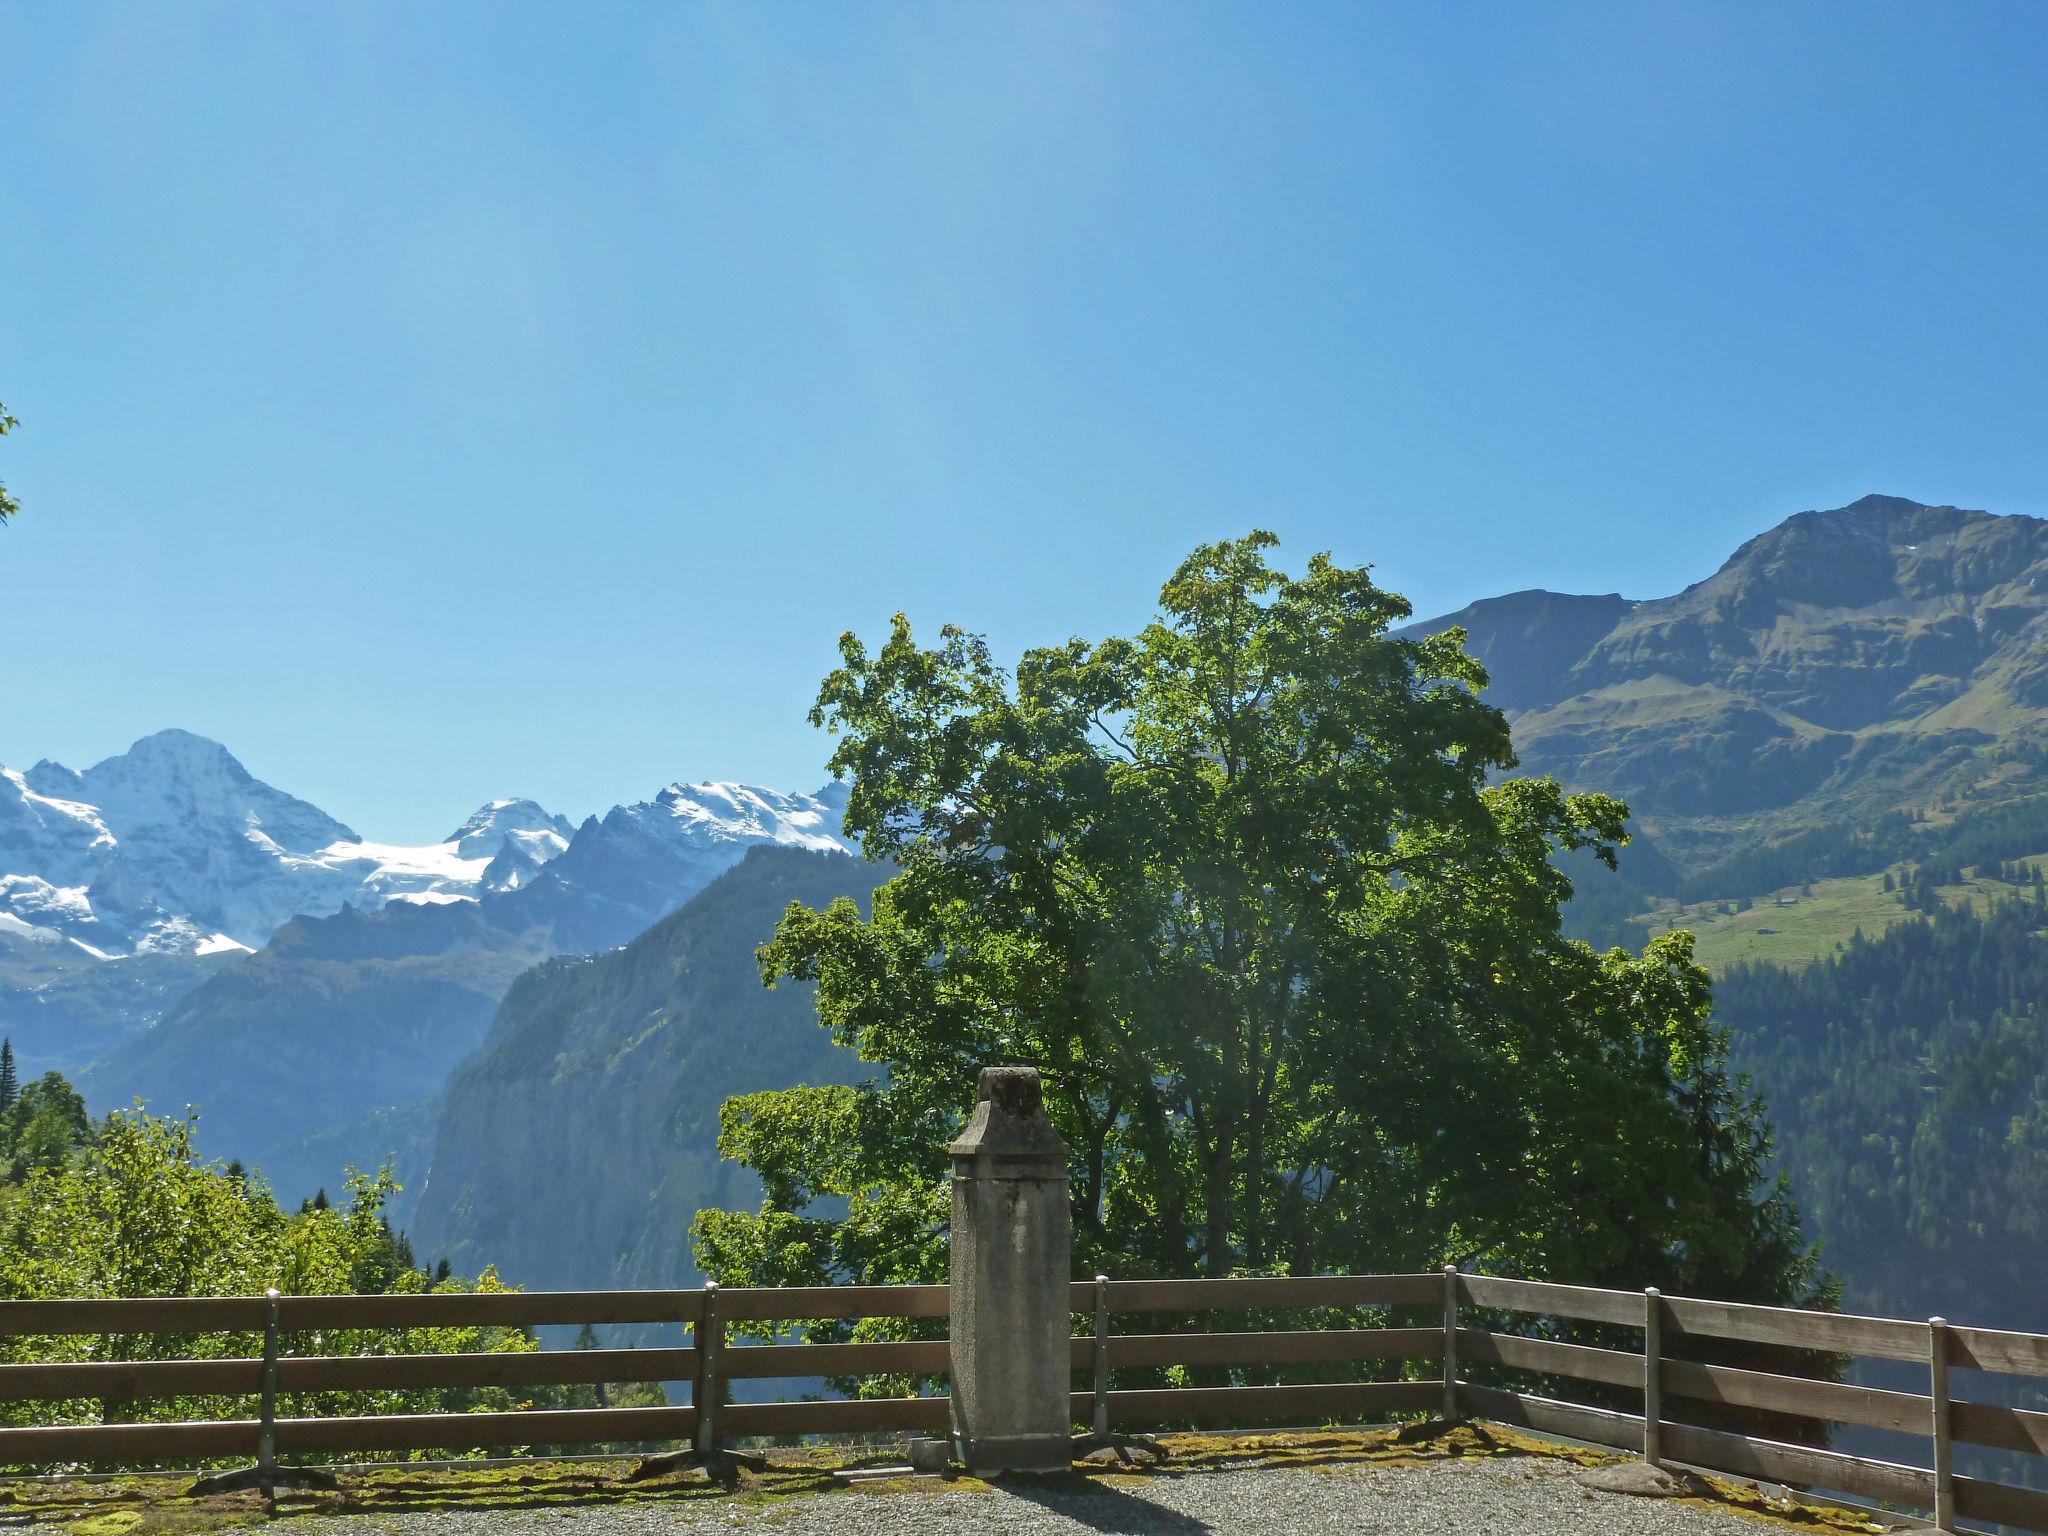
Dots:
pixel 1012 1246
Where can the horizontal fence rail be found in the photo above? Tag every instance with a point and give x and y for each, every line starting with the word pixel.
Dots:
pixel 1694 1382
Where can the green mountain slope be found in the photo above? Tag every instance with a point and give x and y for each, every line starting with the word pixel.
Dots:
pixel 1908 1077
pixel 1836 749
pixel 577 1144
pixel 1880 656
pixel 305 1038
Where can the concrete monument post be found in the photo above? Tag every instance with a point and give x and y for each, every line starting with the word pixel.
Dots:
pixel 1011 1308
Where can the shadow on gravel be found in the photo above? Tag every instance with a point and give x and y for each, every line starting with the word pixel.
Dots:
pixel 1102 1508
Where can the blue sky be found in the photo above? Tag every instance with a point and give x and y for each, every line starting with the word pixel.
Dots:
pixel 441 402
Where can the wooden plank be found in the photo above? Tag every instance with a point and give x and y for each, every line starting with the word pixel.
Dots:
pixel 509 1309
pixel 784 1360
pixel 384 1373
pixel 188 1314
pixel 95 1443
pixel 793 1303
pixel 2009 1429
pixel 1995 1349
pixel 1584 1302
pixel 1834 1402
pixel 1547 1415
pixel 844 1416
pixel 1343 1402
pixel 1263 1292
pixel 1612 1366
pixel 484 1431
pixel 128 1379
pixel 1799 1465
pixel 1292 1347
pixel 1840 1333
pixel 1979 1498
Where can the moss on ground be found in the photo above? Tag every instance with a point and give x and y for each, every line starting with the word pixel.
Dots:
pixel 143 1506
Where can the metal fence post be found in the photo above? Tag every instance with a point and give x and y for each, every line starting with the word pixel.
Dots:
pixel 1101 1424
pixel 1451 1343
pixel 709 1387
pixel 266 1436
pixel 1653 1376
pixel 1944 1472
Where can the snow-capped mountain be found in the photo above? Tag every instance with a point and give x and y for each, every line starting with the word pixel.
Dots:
pixel 637 863
pixel 402 952
pixel 174 847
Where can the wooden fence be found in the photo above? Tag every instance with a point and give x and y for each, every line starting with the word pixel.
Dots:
pixel 1471 1326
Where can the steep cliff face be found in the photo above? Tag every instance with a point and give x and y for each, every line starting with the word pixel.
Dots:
pixel 575 1147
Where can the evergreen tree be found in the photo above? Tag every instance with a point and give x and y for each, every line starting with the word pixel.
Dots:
pixel 10 1087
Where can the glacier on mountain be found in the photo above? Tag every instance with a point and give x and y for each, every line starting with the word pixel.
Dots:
pixel 173 847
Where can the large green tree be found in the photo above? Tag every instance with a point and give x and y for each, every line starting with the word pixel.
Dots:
pixel 1251 891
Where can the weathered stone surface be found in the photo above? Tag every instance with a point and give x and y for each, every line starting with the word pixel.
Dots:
pixel 1643 1480
pixel 1012 1247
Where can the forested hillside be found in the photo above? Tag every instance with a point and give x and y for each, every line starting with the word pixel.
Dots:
pixel 1908 1077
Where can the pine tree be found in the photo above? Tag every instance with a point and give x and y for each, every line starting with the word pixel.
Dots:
pixel 10 1085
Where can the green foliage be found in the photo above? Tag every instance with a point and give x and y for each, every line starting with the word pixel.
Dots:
pixel 8 505
pixel 1289 964
pixel 43 1125
pixel 136 1213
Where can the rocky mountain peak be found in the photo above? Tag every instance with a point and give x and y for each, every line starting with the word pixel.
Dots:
pixel 486 833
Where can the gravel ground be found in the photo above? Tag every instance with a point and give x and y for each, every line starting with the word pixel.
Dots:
pixel 1480 1497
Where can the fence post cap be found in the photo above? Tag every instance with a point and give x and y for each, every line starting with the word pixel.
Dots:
pixel 1651 1290
pixel 1937 1322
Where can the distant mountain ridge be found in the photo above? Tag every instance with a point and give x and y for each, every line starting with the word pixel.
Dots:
pixel 173 847
pixel 166 919
pixel 1863 659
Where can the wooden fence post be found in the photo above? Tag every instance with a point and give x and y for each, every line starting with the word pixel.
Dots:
pixel 1944 1475
pixel 1653 1376
pixel 709 1387
pixel 266 1436
pixel 1101 1424
pixel 1451 1343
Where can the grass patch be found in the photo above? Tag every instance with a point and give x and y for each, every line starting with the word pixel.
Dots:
pixel 1793 929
